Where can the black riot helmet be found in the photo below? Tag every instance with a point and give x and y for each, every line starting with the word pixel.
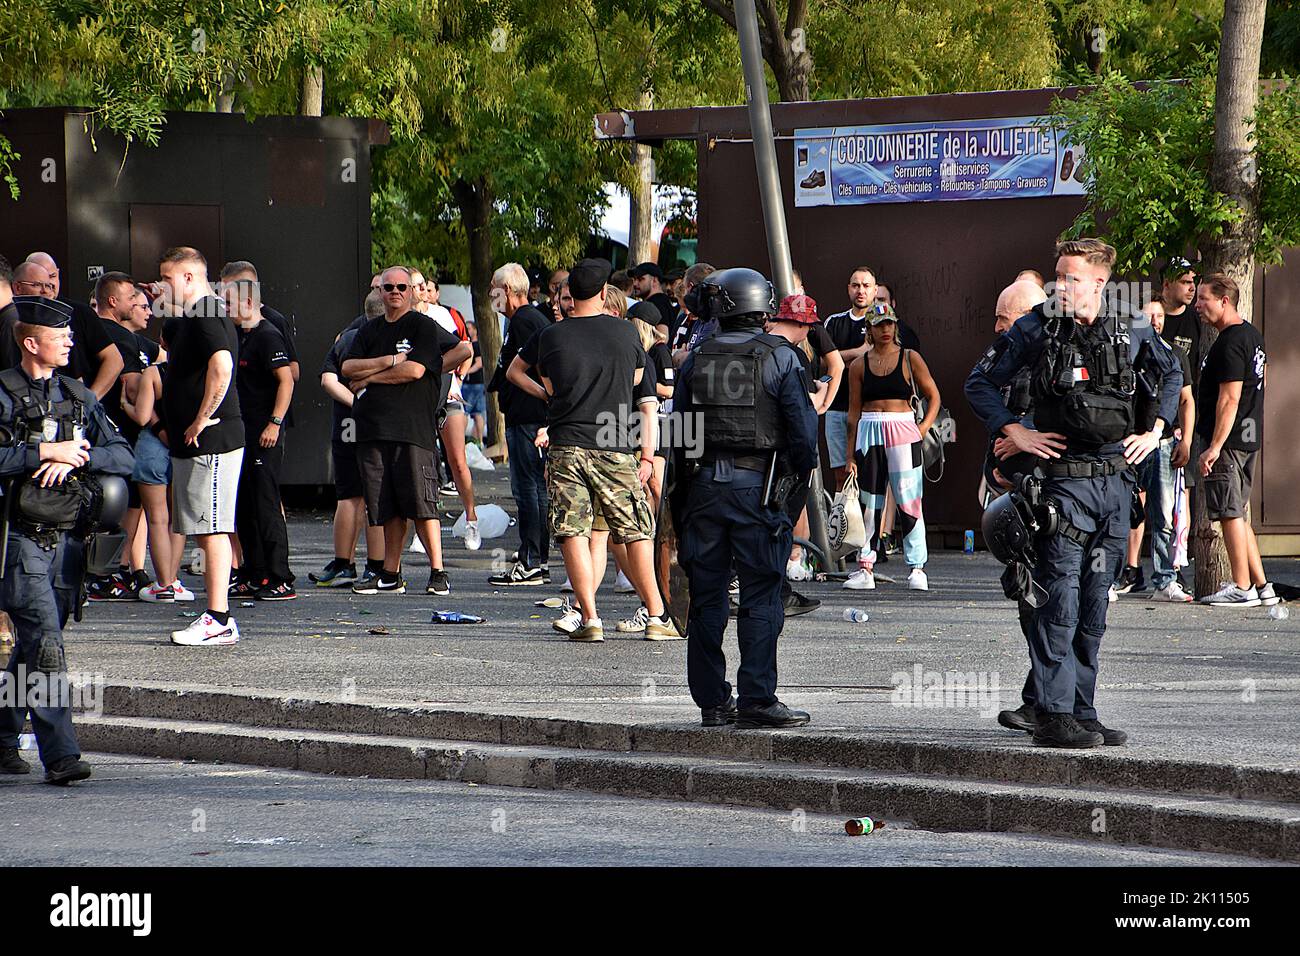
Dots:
pixel 737 298
pixel 1005 530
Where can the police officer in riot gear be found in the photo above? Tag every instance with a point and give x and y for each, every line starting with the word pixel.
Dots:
pixel 1088 406
pixel 62 464
pixel 759 446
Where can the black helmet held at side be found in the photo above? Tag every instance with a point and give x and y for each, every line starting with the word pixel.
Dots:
pixel 1005 531
pixel 736 292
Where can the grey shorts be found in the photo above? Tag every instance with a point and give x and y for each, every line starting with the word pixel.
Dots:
pixel 837 438
pixel 1227 486
pixel 204 491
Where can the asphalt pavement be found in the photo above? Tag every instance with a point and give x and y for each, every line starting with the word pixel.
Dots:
pixel 139 812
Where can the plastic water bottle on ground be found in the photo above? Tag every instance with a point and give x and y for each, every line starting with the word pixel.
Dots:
pixel 855 615
pixel 26 741
pixel 969 546
pixel 1279 612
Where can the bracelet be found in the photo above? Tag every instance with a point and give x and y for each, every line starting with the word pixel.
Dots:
pixel 394 365
pixel 649 460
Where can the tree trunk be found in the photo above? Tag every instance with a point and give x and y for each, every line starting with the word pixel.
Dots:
pixel 1232 173
pixel 474 201
pixel 640 228
pixel 313 91
pixel 785 46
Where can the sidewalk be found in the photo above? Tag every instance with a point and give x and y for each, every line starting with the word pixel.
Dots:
pixel 1188 683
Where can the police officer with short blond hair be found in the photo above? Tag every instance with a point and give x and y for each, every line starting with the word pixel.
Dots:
pixel 62 461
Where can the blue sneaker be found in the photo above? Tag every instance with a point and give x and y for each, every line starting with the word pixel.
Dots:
pixel 336 574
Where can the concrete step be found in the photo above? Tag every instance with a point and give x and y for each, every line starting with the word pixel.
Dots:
pixel 1266 830
pixel 1013 762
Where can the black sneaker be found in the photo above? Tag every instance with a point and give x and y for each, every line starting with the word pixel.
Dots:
pixel 449 489
pixel 796 604
pixel 10 762
pixel 518 575
pixel 110 588
pixel 381 583
pixel 1062 730
pixel 240 588
pixel 67 770
pixel 439 583
pixel 1022 718
pixel 281 592
pixel 1129 580
pixel 1112 738
pixel 719 716
pixel 775 714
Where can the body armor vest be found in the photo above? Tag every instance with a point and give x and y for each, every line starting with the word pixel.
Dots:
pixel 1084 383
pixel 36 420
pixel 740 417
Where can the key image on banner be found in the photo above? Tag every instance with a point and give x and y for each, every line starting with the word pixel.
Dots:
pixel 1005 158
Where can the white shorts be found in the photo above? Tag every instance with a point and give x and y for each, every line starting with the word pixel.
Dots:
pixel 204 490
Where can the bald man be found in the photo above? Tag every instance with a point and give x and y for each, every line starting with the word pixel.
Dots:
pixel 94 358
pixel 1014 301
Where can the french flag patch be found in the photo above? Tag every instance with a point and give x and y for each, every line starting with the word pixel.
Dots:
pixel 1079 374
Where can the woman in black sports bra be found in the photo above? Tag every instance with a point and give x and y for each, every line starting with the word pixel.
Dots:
pixel 885 443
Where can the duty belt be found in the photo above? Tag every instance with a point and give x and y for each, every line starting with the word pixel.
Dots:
pixel 1084 469
pixel 745 462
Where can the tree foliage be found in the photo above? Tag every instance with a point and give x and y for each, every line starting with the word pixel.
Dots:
pixel 1149 152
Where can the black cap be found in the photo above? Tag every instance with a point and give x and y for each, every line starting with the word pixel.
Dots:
pixel 647 312
pixel 38 310
pixel 647 269
pixel 588 277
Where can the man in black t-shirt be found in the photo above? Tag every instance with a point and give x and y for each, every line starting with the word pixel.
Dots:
pixel 115 297
pixel 1182 324
pixel 264 382
pixel 205 434
pixel 1230 421
pixel 590 366
pixel 524 415
pixel 647 283
pixel 395 369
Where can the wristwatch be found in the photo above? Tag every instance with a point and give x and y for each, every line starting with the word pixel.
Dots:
pixel 277 420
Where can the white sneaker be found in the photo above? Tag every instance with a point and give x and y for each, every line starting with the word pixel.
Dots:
pixel 1112 595
pixel 181 592
pixel 917 581
pixel 157 592
pixel 417 546
pixel 1267 596
pixel 567 586
pixel 1232 596
pixel 734 588
pixel 206 632
pixel 635 623
pixel 1174 592
pixel 861 580
pixel 622 585
pixel 796 570
pixel 473 540
pixel 569 620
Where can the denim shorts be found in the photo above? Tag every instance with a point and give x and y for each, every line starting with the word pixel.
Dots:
pixel 153 463
pixel 475 398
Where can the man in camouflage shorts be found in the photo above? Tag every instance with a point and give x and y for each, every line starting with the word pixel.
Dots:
pixel 593 368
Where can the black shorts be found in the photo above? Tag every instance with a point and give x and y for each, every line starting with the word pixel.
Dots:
pixel 347 471
pixel 400 481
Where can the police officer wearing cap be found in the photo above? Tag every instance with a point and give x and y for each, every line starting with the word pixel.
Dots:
pixel 57 452
pixel 1104 387
pixel 759 445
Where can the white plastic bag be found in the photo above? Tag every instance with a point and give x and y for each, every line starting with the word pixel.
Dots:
pixel 492 522
pixel 475 458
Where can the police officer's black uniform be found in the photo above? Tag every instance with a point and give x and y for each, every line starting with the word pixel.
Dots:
pixel 1084 385
pixel 760 443
pixel 44 564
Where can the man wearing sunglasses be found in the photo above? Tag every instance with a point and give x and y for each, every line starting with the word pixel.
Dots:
pixel 395 369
